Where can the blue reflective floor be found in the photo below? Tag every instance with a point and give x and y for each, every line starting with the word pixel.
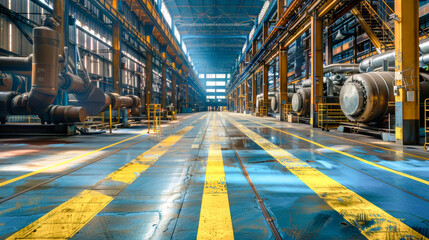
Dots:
pixel 39 174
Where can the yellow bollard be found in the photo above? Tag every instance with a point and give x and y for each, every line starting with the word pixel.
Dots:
pixel 110 117
pixel 29 118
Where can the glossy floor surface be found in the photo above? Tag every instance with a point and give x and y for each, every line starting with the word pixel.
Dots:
pixel 213 175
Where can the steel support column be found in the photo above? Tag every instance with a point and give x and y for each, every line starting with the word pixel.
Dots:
pixel 254 47
pixel 173 91
pixel 187 96
pixel 283 61
pixel 328 48
pixel 265 28
pixel 316 66
pixel 148 89
pixel 407 72
pixel 280 8
pixel 59 8
pixel 246 85
pixel 116 63
pixel 254 92
pixel 265 75
pixel 163 85
pixel 148 30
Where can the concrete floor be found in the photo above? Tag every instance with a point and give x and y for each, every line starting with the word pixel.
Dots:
pixel 187 183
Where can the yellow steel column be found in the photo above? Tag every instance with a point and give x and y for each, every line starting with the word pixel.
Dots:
pixel 246 84
pixel 265 28
pixel 265 85
pixel 283 61
pixel 254 47
pixel 173 90
pixel 254 92
pixel 116 63
pixel 148 78
pixel 407 72
pixel 163 85
pixel 240 99
pixel 280 4
pixel 187 95
pixel 316 66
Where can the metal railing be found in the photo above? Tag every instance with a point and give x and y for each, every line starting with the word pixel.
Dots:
pixel 287 108
pixel 154 118
pixel 330 115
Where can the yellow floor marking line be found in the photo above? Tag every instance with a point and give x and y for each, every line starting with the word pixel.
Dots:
pixel 215 216
pixel 201 118
pixel 68 218
pixel 368 144
pixel 348 155
pixel 373 222
pixel 67 161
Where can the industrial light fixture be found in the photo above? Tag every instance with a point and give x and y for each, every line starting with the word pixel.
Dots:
pixel 340 35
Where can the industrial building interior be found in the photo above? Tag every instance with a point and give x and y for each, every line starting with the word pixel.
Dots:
pixel 214 119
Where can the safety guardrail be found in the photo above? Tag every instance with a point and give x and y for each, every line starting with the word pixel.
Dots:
pixel 330 115
pixel 154 118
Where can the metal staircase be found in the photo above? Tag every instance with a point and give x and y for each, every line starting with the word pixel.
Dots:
pixel 375 19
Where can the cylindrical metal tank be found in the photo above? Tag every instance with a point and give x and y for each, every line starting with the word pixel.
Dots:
pixel 365 97
pixel 301 101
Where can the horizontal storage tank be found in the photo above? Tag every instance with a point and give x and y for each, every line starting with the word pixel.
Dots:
pixel 301 101
pixel 365 97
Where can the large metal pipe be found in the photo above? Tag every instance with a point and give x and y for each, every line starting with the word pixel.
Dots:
pixel 371 63
pixel 11 82
pixel 301 101
pixel 16 65
pixel 365 97
pixel 44 76
pixel 44 87
pixel 341 68
pixel 376 61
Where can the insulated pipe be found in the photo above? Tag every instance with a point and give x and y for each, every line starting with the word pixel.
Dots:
pixel 85 94
pixel 371 63
pixel 374 62
pixel 341 68
pixel 16 65
pixel 11 82
pixel 117 101
pixel 424 46
pixel 45 83
pixel 44 76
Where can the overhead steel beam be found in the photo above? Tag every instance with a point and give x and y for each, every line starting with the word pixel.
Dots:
pixel 214 24
pixel 214 36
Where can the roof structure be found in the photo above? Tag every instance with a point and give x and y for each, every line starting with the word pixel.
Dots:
pixel 214 31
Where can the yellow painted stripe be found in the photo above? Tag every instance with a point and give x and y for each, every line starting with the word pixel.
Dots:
pixel 373 222
pixel 349 155
pixel 369 144
pixel 67 219
pixel 215 217
pixel 67 161
pixel 201 118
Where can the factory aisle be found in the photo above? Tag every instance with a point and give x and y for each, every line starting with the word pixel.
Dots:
pixel 213 175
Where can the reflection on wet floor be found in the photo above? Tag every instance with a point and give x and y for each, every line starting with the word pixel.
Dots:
pixel 313 184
